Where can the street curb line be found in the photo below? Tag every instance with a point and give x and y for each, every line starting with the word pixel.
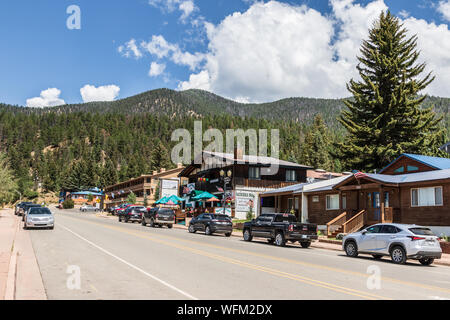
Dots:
pixel 10 292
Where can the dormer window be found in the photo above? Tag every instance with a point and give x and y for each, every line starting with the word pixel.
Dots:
pixel 400 170
pixel 412 168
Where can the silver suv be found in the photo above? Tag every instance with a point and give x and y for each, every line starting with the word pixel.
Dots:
pixel 400 241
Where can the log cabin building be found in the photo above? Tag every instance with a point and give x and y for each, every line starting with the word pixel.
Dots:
pixel 413 189
pixel 250 175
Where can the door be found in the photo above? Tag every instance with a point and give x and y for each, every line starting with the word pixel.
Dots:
pixel 387 235
pixel 376 206
pixel 260 225
pixel 368 241
pixel 198 222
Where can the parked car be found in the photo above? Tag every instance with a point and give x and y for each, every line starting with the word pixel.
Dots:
pixel 18 210
pixel 399 241
pixel 39 217
pixel 158 217
pixel 27 207
pixel 212 223
pixel 132 213
pixel 279 228
pixel 88 207
pixel 121 208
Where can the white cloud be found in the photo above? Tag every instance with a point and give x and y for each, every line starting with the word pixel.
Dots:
pixel 186 7
pixel 156 69
pixel 160 48
pixel 444 9
pixel 48 98
pixel 130 49
pixel 91 93
pixel 275 50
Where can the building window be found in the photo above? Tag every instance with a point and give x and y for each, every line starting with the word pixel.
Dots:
pixel 400 170
pixel 426 197
pixel 315 199
pixel 290 204
pixel 344 202
pixel 254 173
pixel 412 168
pixel 333 202
pixel 291 175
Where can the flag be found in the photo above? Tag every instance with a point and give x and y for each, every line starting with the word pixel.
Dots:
pixel 186 190
pixel 360 175
pixel 112 195
pixel 220 189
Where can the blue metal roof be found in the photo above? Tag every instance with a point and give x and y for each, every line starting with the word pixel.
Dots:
pixel 434 162
pixel 87 193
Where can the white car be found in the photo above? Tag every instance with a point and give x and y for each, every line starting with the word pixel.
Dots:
pixel 39 217
pixel 399 241
pixel 88 207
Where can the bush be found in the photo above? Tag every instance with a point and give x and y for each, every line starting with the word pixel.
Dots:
pixel 131 198
pixel 68 204
pixel 250 215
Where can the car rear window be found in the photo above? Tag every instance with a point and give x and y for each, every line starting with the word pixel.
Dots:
pixel 34 211
pixel 285 218
pixel 220 217
pixel 422 231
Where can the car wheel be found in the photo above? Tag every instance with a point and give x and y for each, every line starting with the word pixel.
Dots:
pixel 51 228
pixel 247 235
pixel 280 240
pixel 170 226
pixel 305 244
pixel 350 249
pixel 191 228
pixel 398 255
pixel 270 241
pixel 25 227
pixel 152 223
pixel 426 261
pixel 377 256
pixel 208 231
pixel 120 219
pixel 228 234
pixel 143 222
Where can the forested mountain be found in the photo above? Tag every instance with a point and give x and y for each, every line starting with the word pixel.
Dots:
pixel 100 143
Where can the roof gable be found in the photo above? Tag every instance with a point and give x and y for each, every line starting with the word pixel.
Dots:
pixel 431 163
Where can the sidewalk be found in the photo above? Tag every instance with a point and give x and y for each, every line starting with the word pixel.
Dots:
pixel 20 277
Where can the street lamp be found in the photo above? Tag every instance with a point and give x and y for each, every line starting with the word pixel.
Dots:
pixel 225 179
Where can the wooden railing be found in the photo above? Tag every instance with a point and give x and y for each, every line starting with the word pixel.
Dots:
pixel 388 216
pixel 355 223
pixel 263 183
pixel 338 221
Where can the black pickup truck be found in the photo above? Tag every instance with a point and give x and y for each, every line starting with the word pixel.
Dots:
pixel 279 228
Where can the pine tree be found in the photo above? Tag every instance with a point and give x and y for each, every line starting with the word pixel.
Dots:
pixel 385 118
pixel 159 157
pixel 315 149
pixel 8 185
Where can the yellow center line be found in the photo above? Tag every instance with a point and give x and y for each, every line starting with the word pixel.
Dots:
pixel 285 260
pixel 298 278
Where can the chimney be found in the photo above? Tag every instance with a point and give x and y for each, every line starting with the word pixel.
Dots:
pixel 238 153
pixel 155 172
pixel 179 165
pixel 163 170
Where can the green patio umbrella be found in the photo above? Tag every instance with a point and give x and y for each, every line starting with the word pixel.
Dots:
pixel 163 200
pixel 174 197
pixel 204 196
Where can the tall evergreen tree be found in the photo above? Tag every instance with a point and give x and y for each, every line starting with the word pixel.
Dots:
pixel 315 149
pixel 385 118
pixel 8 185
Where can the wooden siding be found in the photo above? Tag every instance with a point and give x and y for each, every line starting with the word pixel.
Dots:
pixel 428 216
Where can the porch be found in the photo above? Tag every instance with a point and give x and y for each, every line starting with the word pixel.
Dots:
pixel 364 203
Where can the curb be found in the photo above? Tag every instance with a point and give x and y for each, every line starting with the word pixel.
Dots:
pixel 10 292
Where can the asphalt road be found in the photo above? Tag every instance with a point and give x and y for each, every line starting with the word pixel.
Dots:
pixel 115 260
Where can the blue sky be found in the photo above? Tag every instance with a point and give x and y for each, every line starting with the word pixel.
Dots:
pixel 40 52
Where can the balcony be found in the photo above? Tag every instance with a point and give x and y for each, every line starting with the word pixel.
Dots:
pixel 273 184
